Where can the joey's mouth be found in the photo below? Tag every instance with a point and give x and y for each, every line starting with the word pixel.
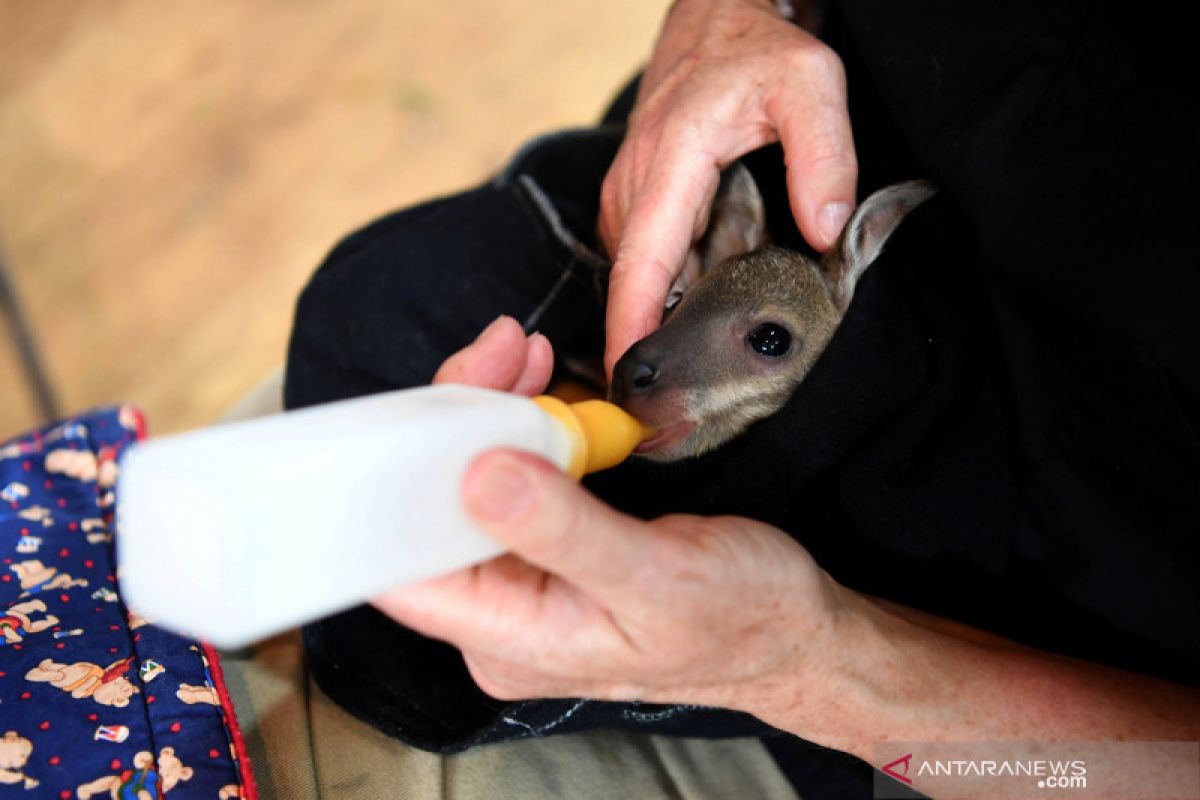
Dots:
pixel 667 436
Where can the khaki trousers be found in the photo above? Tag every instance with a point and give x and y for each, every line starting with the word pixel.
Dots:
pixel 304 747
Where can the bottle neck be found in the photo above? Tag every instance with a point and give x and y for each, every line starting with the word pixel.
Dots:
pixel 602 434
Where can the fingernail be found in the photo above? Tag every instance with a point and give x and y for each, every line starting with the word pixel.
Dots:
pixel 831 219
pixel 498 491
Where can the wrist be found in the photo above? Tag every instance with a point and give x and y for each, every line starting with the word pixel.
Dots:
pixel 806 692
pixel 861 682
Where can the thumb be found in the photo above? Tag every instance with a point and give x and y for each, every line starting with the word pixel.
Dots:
pixel 552 522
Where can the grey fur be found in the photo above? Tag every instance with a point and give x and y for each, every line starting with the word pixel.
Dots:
pixel 697 377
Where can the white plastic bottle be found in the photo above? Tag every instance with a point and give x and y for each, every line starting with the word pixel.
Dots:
pixel 243 530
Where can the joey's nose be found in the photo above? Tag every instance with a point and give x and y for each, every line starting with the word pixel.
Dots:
pixel 642 376
pixel 633 376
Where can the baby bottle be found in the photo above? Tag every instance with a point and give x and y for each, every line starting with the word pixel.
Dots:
pixel 239 531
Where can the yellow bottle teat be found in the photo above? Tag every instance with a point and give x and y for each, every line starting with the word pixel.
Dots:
pixel 603 435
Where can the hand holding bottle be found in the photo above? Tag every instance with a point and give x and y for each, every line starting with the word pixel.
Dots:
pixel 591 602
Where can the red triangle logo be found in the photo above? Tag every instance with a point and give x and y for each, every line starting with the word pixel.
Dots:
pixel 900 776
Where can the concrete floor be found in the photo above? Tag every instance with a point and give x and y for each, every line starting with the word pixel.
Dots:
pixel 172 172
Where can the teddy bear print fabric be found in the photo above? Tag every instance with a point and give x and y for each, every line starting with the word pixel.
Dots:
pixel 94 701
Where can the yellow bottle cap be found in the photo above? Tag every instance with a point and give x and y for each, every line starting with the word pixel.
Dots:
pixel 603 435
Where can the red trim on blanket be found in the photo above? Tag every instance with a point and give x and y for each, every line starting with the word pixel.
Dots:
pixel 139 419
pixel 249 788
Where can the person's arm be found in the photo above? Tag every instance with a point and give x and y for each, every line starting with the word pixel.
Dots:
pixel 913 676
pixel 730 612
pixel 725 77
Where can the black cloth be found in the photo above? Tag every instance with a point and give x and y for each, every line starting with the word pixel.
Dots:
pixel 435 276
pixel 1004 431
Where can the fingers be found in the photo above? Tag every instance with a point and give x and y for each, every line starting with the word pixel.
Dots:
pixel 539 364
pixel 656 198
pixel 466 606
pixel 818 145
pixel 572 561
pixel 502 358
pixel 494 360
pixel 659 228
pixel 552 522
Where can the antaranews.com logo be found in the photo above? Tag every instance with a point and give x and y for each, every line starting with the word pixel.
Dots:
pixel 1022 769
pixel 1048 773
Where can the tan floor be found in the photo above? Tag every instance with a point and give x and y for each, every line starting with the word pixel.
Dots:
pixel 172 172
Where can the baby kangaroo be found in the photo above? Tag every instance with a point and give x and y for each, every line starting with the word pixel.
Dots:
pixel 746 321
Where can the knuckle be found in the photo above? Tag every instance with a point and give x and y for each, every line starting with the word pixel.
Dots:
pixel 827 152
pixel 816 61
pixel 632 258
pixel 681 131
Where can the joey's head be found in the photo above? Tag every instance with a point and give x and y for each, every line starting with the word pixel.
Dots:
pixel 746 321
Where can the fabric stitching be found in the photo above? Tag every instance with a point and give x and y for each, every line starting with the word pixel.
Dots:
pixel 542 729
pixel 650 717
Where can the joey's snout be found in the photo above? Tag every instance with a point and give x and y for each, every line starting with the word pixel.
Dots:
pixel 636 373
pixel 645 383
pixel 649 384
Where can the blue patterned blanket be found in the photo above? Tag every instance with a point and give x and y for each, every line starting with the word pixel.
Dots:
pixel 94 701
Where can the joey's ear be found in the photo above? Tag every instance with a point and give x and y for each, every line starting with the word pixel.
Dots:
pixel 865 234
pixel 736 224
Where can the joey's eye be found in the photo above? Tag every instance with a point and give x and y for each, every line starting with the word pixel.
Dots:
pixel 673 299
pixel 769 339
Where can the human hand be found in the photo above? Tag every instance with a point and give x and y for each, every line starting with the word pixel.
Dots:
pixel 591 602
pixel 502 357
pixel 726 77
pixel 733 613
